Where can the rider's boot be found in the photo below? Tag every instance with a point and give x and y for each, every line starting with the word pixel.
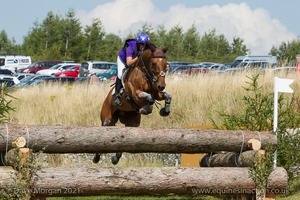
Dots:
pixel 117 95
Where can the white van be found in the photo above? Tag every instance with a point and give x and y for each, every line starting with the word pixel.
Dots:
pixel 272 60
pixel 12 62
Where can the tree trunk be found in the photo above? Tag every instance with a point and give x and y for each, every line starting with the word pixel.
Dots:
pixel 80 139
pixel 86 181
pixel 229 159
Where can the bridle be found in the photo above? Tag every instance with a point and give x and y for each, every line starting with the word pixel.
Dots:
pixel 149 73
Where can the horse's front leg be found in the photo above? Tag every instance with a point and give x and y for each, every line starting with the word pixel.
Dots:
pixel 165 111
pixel 145 110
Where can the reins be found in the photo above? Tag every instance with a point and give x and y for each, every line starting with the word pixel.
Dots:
pixel 147 73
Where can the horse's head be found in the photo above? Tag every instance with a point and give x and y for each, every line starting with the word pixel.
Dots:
pixel 156 66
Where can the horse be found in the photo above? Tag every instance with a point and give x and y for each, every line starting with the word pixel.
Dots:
pixel 144 84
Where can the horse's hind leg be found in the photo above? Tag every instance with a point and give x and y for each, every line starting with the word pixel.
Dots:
pixel 130 119
pixel 165 111
pixel 108 118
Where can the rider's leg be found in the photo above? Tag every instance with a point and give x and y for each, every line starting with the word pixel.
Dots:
pixel 117 96
pixel 118 86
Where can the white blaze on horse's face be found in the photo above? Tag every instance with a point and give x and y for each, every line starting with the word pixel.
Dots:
pixel 159 73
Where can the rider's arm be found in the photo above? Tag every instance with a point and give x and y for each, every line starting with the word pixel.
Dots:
pixel 130 61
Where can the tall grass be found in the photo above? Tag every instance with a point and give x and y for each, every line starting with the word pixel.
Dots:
pixel 194 100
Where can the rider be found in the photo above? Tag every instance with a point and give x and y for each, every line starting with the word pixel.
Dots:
pixel 126 59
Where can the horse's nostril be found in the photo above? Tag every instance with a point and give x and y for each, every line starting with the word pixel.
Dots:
pixel 160 87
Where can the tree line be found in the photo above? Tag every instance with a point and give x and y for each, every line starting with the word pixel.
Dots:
pixel 64 38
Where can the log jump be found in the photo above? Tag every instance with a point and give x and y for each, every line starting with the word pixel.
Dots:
pixel 87 181
pixel 78 139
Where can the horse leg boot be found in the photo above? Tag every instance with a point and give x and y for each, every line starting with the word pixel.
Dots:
pixel 117 95
pixel 165 111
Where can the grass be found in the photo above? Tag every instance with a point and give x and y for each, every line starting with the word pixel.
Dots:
pixel 133 198
pixel 195 99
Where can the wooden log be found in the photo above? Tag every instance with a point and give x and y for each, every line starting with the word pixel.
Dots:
pixel 254 144
pixel 80 139
pixel 229 159
pixel 19 142
pixel 17 157
pixel 86 181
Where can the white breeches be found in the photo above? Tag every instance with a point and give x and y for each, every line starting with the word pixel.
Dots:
pixel 121 67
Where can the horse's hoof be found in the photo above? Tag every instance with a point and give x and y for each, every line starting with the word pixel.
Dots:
pixel 145 111
pixel 119 154
pixel 96 158
pixel 163 112
pixel 114 160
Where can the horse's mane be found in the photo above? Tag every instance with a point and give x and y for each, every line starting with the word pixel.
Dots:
pixel 155 52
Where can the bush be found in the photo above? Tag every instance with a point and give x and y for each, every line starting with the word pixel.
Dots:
pixel 258 116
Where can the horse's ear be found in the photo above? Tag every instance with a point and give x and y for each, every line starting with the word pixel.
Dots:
pixel 165 49
pixel 152 47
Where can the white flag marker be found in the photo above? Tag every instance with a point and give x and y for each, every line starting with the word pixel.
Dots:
pixel 283 85
pixel 280 85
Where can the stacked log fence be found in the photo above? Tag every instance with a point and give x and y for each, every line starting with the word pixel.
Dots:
pixel 214 179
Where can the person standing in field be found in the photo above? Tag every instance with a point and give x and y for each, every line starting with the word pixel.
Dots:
pixel 298 64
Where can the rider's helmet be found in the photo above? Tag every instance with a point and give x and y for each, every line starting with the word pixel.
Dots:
pixel 142 38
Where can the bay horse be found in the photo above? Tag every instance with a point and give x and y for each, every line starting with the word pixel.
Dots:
pixel 144 83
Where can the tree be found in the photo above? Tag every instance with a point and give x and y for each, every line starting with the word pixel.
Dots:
pixel 93 40
pixel 214 48
pixel 44 41
pixel 287 51
pixel 161 36
pixel 238 47
pixel 72 37
pixel 111 47
pixel 175 40
pixel 7 46
pixel 191 41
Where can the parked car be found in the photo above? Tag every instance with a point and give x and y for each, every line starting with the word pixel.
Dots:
pixel 174 64
pixel 11 80
pixel 72 71
pixel 30 79
pixel 109 74
pixel 21 76
pixel 54 79
pixel 6 72
pixel 186 69
pixel 7 83
pixel 37 66
pixel 281 70
pixel 97 66
pixel 57 68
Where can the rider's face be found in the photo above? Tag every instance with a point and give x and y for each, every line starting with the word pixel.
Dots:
pixel 141 46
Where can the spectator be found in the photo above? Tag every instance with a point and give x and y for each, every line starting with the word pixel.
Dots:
pixel 82 72
pixel 94 80
pixel 298 64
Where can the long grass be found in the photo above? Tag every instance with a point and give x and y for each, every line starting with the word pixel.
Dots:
pixel 195 100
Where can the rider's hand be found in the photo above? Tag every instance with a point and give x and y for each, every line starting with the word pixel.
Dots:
pixel 138 53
